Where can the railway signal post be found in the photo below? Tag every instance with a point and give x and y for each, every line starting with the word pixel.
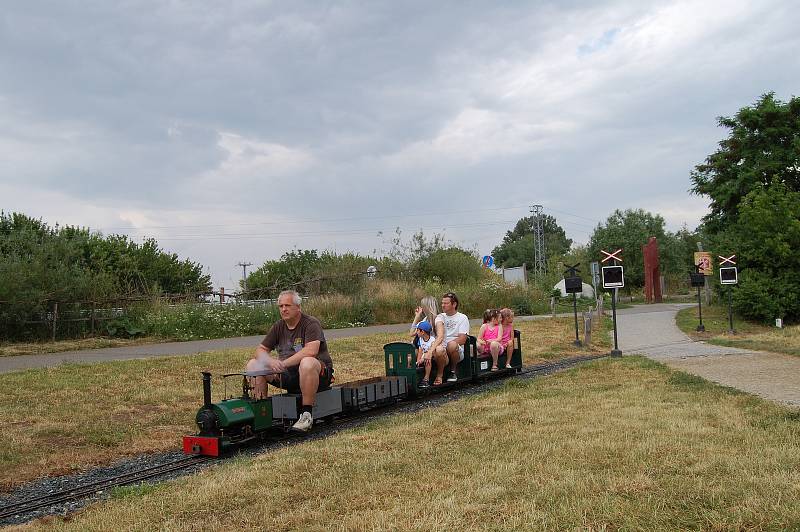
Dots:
pixel 573 284
pixel 729 275
pixel 698 280
pixel 613 277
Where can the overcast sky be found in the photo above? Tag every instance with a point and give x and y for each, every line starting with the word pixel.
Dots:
pixel 236 131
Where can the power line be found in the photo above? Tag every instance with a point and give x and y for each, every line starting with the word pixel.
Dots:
pixel 236 236
pixel 573 215
pixel 284 222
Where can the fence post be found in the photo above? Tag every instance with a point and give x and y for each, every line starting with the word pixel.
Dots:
pixel 553 306
pixel 94 306
pixel 55 318
pixel 587 328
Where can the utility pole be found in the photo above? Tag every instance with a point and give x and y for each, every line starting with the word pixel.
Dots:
pixel 244 266
pixel 539 260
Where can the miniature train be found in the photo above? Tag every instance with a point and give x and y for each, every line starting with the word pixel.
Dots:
pixel 235 421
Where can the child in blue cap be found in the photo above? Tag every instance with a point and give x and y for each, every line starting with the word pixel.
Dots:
pixel 424 353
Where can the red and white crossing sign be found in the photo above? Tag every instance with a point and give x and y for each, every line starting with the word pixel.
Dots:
pixel 726 260
pixel 610 256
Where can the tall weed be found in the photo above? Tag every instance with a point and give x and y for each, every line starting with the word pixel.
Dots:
pixel 203 321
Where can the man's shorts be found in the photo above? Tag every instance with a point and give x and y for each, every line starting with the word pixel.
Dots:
pixel 290 379
pixel 460 352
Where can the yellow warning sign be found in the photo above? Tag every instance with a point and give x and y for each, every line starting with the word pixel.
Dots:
pixel 702 259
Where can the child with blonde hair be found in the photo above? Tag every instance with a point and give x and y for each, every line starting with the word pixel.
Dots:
pixel 507 336
pixel 489 336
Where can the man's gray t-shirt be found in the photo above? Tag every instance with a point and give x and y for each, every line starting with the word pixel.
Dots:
pixel 288 341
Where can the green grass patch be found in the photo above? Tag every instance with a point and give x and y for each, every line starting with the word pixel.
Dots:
pixel 617 444
pixel 749 335
pixel 687 381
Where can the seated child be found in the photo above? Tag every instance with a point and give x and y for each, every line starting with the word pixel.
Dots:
pixel 507 338
pixel 489 336
pixel 424 353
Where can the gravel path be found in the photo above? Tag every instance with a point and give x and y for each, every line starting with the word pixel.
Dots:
pixel 651 331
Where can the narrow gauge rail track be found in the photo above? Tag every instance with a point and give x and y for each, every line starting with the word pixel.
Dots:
pixel 26 507
pixel 81 492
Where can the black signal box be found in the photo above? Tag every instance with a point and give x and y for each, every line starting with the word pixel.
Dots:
pixel 729 275
pixel 697 279
pixel 613 277
pixel 573 285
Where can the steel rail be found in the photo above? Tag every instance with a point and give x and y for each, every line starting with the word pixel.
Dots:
pixel 83 491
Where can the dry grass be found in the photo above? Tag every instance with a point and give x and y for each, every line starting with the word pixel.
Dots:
pixel 70 417
pixel 41 348
pixel 617 444
pixel 748 335
pixel 388 290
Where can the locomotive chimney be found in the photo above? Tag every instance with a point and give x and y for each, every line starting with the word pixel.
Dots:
pixel 206 389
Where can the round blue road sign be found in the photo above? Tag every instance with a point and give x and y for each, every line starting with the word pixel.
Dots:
pixel 487 261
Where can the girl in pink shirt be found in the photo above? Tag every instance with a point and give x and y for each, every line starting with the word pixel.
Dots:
pixel 489 336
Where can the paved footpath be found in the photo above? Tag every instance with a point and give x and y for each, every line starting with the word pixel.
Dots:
pixel 22 362
pixel 651 331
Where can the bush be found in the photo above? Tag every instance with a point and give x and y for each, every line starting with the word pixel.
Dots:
pixel 124 327
pixel 41 266
pixel 450 266
pixel 759 297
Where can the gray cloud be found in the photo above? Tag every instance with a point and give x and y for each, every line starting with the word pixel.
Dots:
pixel 159 115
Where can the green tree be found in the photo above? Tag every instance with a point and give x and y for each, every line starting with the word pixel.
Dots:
pixel 763 147
pixel 753 181
pixel 517 246
pixel 40 265
pixel 310 272
pixel 676 252
pixel 629 230
pixel 287 272
pixel 766 239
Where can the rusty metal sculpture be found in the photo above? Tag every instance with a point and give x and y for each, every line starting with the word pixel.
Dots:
pixel 652 272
